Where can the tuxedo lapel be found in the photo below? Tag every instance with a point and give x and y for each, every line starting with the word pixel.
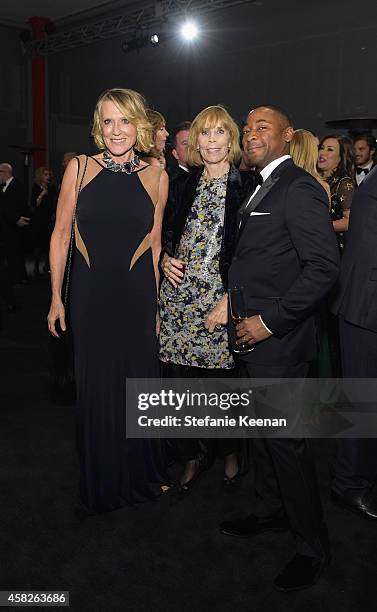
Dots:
pixel 266 187
pixel 257 199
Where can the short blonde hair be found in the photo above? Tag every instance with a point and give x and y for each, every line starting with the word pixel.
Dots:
pixel 157 121
pixel 304 151
pixel 132 105
pixel 213 116
pixel 39 172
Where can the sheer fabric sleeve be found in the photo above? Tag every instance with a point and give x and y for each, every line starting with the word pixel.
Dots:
pixel 345 192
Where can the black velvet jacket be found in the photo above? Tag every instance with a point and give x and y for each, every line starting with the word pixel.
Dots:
pixel 182 193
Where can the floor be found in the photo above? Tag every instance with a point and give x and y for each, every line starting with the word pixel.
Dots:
pixel 161 556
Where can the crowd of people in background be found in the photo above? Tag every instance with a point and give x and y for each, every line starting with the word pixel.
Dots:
pixel 26 220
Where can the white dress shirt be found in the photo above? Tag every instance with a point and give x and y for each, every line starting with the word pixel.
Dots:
pixel 7 183
pixel 360 177
pixel 265 173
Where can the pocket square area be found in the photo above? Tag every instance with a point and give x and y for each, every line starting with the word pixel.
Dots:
pixel 255 213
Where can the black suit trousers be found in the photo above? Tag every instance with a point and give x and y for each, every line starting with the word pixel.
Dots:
pixel 356 465
pixel 285 475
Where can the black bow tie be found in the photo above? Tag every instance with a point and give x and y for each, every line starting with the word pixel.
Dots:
pixel 360 170
pixel 257 178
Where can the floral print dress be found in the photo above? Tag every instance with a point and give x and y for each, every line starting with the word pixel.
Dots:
pixel 183 338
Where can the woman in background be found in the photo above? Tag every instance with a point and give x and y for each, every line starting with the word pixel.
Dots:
pixel 43 205
pixel 156 155
pixel 304 152
pixel 336 166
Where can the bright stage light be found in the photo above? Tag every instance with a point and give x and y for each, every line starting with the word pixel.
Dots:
pixel 154 39
pixel 189 30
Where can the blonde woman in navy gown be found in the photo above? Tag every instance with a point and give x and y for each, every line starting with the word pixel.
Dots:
pixel 113 296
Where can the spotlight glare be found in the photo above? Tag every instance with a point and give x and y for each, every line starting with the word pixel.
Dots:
pixel 189 30
pixel 154 39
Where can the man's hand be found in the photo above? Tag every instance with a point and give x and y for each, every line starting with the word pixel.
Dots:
pixel 251 330
pixel 23 221
pixel 218 317
pixel 173 269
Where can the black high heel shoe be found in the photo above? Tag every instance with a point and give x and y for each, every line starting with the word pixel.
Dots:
pixel 181 490
pixel 232 482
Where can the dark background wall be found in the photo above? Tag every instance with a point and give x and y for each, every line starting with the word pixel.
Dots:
pixel 315 59
pixel 15 111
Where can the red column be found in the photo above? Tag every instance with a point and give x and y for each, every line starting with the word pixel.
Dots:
pixel 38 72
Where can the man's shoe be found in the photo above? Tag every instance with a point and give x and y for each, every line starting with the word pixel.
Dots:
pixel 363 504
pixel 251 525
pixel 300 573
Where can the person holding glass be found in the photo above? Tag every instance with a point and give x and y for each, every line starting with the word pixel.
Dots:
pixel 199 229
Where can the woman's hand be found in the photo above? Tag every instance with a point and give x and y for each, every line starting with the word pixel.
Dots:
pixel 57 311
pixel 173 269
pixel 218 317
pixel 158 324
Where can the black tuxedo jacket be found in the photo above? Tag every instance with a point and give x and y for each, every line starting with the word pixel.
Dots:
pixel 176 173
pixel 357 287
pixel 13 202
pixel 287 260
pixel 373 166
pixel 12 207
pixel 182 193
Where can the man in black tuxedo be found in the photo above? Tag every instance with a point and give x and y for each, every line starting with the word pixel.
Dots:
pixel 364 147
pixel 179 142
pixel 287 260
pixel 356 305
pixel 12 211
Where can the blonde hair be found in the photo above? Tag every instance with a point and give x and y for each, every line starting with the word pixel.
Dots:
pixel 157 121
pixel 132 105
pixel 213 116
pixel 39 172
pixel 304 152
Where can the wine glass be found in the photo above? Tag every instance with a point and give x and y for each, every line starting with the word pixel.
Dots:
pixel 238 312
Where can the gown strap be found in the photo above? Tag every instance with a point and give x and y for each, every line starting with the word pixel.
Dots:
pixel 96 160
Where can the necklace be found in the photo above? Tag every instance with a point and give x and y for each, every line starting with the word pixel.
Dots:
pixel 208 179
pixel 128 167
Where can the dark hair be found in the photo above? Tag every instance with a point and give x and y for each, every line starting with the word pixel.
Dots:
pixel 346 166
pixel 279 110
pixel 184 125
pixel 369 139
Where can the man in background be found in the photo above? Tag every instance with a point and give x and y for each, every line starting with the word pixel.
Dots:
pixel 179 139
pixel 364 148
pixel 14 219
pixel 355 471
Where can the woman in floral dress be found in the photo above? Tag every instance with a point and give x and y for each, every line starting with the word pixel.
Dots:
pixel 199 229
